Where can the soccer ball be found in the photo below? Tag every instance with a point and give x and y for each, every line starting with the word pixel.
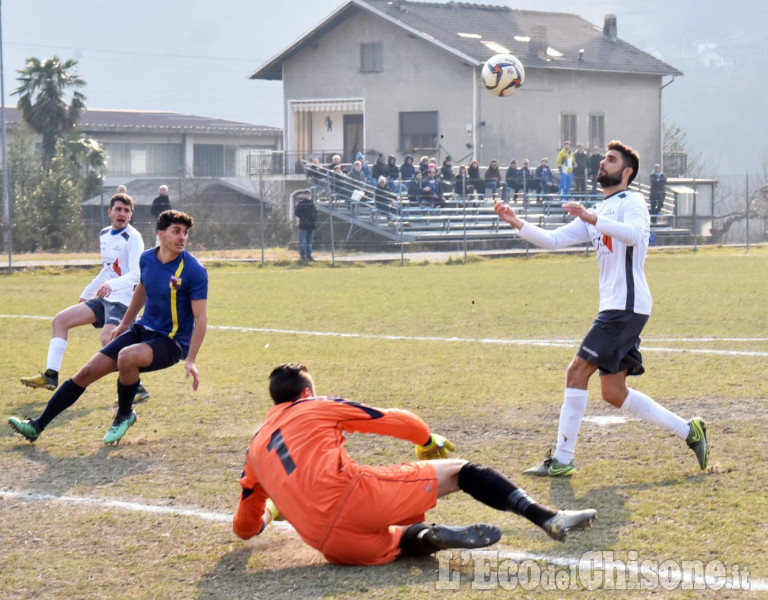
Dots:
pixel 503 74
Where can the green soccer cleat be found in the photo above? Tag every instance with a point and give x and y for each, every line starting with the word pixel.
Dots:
pixel 119 426
pixel 25 427
pixel 142 395
pixel 551 468
pixel 566 521
pixel 478 535
pixel 48 380
pixel 697 441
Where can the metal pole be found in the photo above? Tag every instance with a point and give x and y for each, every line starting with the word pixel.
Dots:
pixel 261 211
pixel 6 197
pixel 695 225
pixel 330 226
pixel 464 189
pixel 747 199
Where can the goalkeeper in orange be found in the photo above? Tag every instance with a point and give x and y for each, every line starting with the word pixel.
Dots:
pixel 297 469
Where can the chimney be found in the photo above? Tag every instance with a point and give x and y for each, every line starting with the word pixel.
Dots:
pixel 539 43
pixel 610 28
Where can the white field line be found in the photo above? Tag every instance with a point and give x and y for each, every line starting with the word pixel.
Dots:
pixel 553 343
pixel 562 561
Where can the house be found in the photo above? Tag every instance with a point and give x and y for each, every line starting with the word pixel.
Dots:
pixel 156 144
pixel 399 77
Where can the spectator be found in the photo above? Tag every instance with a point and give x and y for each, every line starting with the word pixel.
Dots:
pixel 162 202
pixel 446 175
pixel 658 191
pixel 356 174
pixel 366 169
pixel 384 199
pixel 594 166
pixel 380 168
pixel 474 177
pixel 513 180
pixel 545 179
pixel 528 178
pixel 435 195
pixel 581 162
pixel 393 176
pixel 407 170
pixel 335 162
pixel 121 189
pixel 339 183
pixel 306 213
pixel 315 172
pixel 492 178
pixel 418 190
pixel 424 164
pixel 565 163
pixel 462 188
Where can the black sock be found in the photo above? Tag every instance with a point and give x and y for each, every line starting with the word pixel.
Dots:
pixel 125 396
pixel 491 487
pixel 67 394
pixel 414 542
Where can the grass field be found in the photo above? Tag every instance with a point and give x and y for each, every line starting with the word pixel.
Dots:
pixel 478 349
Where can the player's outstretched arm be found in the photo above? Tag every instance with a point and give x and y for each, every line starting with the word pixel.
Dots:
pixel 200 311
pixel 508 214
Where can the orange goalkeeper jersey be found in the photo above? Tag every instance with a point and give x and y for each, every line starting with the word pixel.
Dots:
pixel 298 459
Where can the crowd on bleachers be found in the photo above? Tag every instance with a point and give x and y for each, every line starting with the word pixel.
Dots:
pixel 428 184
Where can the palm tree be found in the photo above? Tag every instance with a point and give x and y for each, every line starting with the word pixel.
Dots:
pixel 42 100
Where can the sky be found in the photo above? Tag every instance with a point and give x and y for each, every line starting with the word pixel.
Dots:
pixel 195 56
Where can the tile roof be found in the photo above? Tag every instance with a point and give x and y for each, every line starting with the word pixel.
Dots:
pixel 465 29
pixel 100 120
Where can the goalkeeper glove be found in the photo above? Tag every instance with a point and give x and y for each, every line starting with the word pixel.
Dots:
pixel 270 506
pixel 436 447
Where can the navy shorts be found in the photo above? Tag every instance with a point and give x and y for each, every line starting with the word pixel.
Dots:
pixel 107 313
pixel 613 342
pixel 165 351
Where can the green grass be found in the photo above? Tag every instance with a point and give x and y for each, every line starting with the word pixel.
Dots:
pixel 426 337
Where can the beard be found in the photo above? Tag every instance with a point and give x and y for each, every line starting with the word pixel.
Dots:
pixel 606 179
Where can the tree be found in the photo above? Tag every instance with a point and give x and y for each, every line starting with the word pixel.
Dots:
pixel 89 157
pixel 43 103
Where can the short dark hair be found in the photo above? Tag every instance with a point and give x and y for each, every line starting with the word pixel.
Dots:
pixel 168 217
pixel 124 198
pixel 630 157
pixel 287 382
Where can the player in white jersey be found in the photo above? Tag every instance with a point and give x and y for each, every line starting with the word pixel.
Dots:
pixel 619 229
pixel 105 299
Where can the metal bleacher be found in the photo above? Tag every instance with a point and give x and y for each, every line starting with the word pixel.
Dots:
pixel 469 218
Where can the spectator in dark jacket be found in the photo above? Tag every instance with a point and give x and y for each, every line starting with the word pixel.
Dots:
pixel 162 202
pixel 658 191
pixel 492 178
pixel 513 180
pixel 446 174
pixel 393 176
pixel 380 168
pixel 475 180
pixel 306 213
pixel 407 169
pixel 581 163
pixel 594 166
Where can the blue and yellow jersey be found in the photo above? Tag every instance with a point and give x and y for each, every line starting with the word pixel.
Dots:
pixel 170 288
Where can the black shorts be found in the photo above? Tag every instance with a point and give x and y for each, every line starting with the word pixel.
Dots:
pixel 107 313
pixel 613 342
pixel 165 351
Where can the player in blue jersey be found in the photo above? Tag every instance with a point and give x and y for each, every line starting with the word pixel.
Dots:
pixel 173 291
pixel 105 299
pixel 619 229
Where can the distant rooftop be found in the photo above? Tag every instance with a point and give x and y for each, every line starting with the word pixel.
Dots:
pixel 475 32
pixel 100 120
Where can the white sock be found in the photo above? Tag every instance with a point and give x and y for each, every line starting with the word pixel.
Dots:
pixel 56 350
pixel 571 414
pixel 652 412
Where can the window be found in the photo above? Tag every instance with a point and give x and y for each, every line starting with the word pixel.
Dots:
pixel 597 131
pixel 568 129
pixel 214 160
pixel 372 57
pixel 418 131
pixel 138 162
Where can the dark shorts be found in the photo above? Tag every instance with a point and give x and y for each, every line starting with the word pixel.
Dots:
pixel 165 351
pixel 613 342
pixel 107 313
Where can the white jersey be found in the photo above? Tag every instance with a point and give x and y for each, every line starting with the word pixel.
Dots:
pixel 620 238
pixel 120 253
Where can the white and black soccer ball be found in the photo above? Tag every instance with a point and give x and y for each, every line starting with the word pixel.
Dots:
pixel 503 74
